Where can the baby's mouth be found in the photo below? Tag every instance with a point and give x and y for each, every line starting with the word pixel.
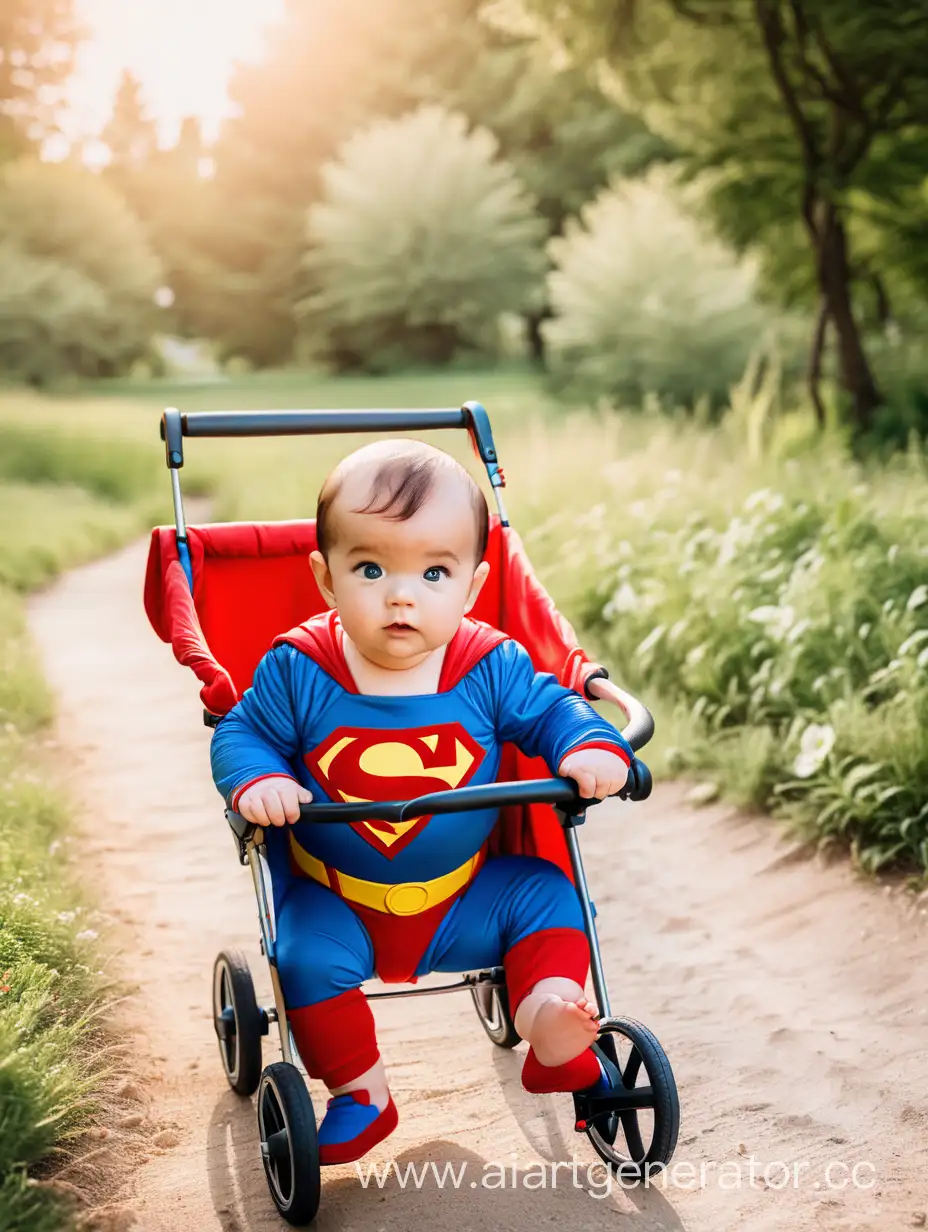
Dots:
pixel 399 626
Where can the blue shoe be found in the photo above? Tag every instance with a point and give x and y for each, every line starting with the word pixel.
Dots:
pixel 610 1079
pixel 352 1125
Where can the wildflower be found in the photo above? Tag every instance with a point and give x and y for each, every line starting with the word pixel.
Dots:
pixel 816 743
pixel 624 600
pixel 917 598
pixel 66 917
pixel 4 986
pixel 778 620
pixel 87 935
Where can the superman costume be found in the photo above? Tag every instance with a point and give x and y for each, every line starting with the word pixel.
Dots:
pixel 398 900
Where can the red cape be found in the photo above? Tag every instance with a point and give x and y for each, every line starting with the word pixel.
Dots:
pixel 321 639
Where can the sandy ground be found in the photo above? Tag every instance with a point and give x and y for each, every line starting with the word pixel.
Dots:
pixel 791 997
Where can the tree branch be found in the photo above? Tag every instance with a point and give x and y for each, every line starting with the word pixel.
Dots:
pixel 814 374
pixel 699 17
pixel 852 96
pixel 774 36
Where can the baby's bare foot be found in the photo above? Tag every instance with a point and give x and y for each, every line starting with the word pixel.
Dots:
pixel 562 1029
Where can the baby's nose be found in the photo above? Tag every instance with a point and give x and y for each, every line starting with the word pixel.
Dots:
pixel 401 594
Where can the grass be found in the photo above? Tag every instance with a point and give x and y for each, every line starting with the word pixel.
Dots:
pixel 65 496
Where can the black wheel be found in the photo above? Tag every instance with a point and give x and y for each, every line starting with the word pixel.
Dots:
pixel 289 1152
pixel 635 1132
pixel 492 1002
pixel 237 1021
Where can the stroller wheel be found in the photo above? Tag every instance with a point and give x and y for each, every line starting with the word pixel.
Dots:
pixel 492 1003
pixel 634 1131
pixel 237 1021
pixel 287 1126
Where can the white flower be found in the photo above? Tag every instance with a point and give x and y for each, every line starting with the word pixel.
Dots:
pixel 66 917
pixel 778 620
pixel 816 743
pixel 87 935
pixel 917 598
pixel 625 599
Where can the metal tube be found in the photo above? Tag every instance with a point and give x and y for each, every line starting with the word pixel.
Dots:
pixel 501 506
pixel 596 961
pixel 266 920
pixel 422 992
pixel 180 523
pixel 294 423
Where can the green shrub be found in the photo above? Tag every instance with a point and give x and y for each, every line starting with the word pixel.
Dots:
pixel 796 632
pixel 422 240
pixel 647 302
pixel 77 276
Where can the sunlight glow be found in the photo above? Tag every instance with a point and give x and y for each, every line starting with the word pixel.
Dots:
pixel 182 51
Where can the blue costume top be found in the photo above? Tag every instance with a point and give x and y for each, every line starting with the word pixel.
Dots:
pixel 297 719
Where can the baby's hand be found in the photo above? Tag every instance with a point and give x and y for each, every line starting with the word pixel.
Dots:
pixel 273 801
pixel 597 772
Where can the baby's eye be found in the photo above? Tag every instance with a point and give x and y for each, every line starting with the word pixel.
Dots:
pixel 371 572
pixel 434 574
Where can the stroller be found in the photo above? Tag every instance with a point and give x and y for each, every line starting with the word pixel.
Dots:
pixel 219 594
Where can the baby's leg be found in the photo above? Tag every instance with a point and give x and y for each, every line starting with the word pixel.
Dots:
pixel 324 954
pixel 524 912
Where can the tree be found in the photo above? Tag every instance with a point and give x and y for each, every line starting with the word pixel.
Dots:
pixel 422 239
pixel 131 135
pixel 647 301
pixel 336 65
pixel 77 277
pixel 38 39
pixel 774 97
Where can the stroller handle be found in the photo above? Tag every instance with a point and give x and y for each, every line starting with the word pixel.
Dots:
pixel 472 416
pixel 559 791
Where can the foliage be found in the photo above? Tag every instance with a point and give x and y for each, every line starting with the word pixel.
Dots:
pixel 38 39
pixel 646 301
pixel 77 275
pixel 808 113
pixel 51 993
pixel 330 69
pixel 797 627
pixel 169 196
pixel 421 240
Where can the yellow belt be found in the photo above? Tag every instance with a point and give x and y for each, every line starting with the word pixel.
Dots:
pixel 401 898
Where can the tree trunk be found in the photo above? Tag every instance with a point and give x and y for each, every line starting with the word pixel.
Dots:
pixel 534 337
pixel 834 280
pixel 815 361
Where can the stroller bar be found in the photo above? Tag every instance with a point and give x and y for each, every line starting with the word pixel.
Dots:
pixel 175 425
pixel 558 791
pixel 299 423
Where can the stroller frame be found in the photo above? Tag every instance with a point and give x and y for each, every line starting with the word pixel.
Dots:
pixel 600 1120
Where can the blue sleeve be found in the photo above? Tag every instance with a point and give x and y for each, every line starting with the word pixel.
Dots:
pixel 540 716
pixel 261 735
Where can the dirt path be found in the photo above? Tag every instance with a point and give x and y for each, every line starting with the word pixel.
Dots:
pixel 791 998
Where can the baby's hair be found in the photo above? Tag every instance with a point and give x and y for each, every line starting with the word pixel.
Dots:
pixel 401 485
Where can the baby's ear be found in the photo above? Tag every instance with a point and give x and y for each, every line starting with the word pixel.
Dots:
pixel 323 577
pixel 481 573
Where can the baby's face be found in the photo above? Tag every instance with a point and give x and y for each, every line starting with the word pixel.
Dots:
pixel 402 588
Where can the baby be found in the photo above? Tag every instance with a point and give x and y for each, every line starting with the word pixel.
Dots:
pixel 393 693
